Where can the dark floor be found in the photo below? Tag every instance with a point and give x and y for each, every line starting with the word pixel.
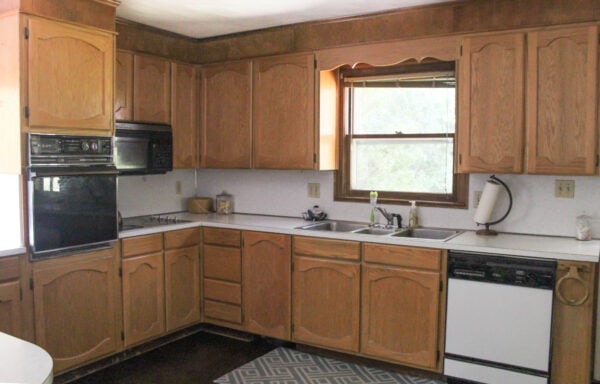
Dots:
pixel 199 359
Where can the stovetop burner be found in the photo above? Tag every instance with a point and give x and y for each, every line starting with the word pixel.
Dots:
pixel 149 221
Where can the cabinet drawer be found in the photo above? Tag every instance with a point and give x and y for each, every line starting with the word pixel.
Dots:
pixel 221 311
pixel 223 291
pixel 219 236
pixel 182 238
pixel 222 263
pixel 422 258
pixel 333 249
pixel 141 245
pixel 9 268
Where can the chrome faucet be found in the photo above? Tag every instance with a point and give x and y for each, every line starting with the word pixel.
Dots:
pixel 390 217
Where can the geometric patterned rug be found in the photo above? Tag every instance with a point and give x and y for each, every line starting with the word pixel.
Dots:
pixel 288 366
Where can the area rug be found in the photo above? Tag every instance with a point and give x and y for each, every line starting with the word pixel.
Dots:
pixel 288 366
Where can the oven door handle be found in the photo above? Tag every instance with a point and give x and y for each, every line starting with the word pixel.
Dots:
pixel 71 171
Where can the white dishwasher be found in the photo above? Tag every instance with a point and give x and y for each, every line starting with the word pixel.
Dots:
pixel 499 319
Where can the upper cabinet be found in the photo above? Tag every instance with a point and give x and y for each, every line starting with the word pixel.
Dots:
pixel 283 112
pixel 70 78
pixel 124 86
pixel 561 101
pixel 226 116
pixel 183 115
pixel 491 94
pixel 151 89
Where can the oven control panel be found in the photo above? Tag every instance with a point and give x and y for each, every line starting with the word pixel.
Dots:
pixel 67 149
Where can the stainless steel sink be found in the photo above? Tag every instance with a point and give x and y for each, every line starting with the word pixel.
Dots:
pixel 334 226
pixel 375 231
pixel 427 233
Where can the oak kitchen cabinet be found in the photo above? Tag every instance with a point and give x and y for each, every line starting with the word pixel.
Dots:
pixel 184 95
pixel 222 277
pixel 226 115
pixel 326 293
pixel 266 284
pixel 11 307
pixel 151 89
pixel 143 288
pixel 70 78
pixel 401 305
pixel 182 277
pixel 562 87
pixel 77 300
pixel 283 112
pixel 491 94
pixel 560 115
pixel 124 86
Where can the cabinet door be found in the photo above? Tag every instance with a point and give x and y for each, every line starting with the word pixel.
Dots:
pixel 76 313
pixel 124 86
pixel 283 109
pixel 326 296
pixel 70 81
pixel 151 89
pixel 182 287
pixel 491 91
pixel 226 110
pixel 10 308
pixel 561 101
pixel 267 284
pixel 143 298
pixel 400 311
pixel 183 115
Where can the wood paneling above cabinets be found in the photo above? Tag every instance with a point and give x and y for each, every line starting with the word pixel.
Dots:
pixel 559 119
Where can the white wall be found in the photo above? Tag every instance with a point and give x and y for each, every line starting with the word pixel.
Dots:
pixel 152 194
pixel 535 209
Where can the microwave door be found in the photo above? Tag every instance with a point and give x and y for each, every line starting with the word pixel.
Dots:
pixel 131 154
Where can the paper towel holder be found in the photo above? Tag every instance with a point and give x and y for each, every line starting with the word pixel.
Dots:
pixel 487 231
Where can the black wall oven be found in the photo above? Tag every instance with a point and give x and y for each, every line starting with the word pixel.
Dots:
pixel 72 194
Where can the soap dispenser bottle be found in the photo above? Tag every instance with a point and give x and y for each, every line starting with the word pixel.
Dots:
pixel 413 218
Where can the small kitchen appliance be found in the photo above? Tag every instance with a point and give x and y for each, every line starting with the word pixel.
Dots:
pixel 72 194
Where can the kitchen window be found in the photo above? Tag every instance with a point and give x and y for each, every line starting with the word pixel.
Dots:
pixel 399 126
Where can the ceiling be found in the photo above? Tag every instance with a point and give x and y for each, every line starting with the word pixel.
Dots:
pixel 208 18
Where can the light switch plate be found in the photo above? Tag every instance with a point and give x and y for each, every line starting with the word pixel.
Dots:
pixel 564 188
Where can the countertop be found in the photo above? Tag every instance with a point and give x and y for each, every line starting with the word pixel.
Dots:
pixel 23 362
pixel 547 247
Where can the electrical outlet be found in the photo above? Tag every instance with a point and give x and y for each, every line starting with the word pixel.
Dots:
pixel 178 187
pixel 476 198
pixel 564 188
pixel 314 190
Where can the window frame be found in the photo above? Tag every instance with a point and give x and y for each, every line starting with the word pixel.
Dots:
pixel 342 191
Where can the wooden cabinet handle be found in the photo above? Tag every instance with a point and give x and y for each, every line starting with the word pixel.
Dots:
pixel 573 274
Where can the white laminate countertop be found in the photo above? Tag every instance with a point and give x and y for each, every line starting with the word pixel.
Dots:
pixel 23 362
pixel 548 247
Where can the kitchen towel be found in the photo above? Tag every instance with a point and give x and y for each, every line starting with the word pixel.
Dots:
pixel 288 366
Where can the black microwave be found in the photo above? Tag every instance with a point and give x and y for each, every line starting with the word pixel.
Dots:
pixel 143 148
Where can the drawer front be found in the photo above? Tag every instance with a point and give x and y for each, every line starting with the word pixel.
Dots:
pixel 182 238
pixel 219 236
pixel 221 311
pixel 142 245
pixel 222 263
pixel 223 291
pixel 9 268
pixel 409 257
pixel 332 249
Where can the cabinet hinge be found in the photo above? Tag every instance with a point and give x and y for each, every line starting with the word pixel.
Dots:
pixel 315 63
pixel 292 267
pixel 20 293
pixel 120 272
pixel 123 337
pixel 292 328
pixel 460 158
pixel 314 158
pixel 437 358
pixel 31 283
pixel 441 286
pixel 26 33
pixel 26 112
pixel 597 160
pixel 460 53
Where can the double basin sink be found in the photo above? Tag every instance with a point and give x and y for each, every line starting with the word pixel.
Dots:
pixel 359 228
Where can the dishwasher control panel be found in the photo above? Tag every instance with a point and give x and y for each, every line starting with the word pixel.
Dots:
pixel 500 269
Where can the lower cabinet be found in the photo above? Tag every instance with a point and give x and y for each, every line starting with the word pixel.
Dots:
pixel 77 301
pixel 400 304
pixel 11 306
pixel 266 284
pixel 326 293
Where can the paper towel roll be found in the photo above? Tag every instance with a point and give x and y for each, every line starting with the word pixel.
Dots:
pixel 487 202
